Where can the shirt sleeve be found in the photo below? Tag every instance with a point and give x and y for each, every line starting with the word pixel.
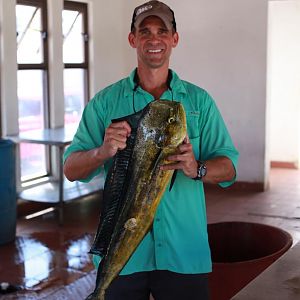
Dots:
pixel 215 139
pixel 90 132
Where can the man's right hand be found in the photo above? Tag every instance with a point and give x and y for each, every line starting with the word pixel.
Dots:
pixel 115 138
pixel 81 163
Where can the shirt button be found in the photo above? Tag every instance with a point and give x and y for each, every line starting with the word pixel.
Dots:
pixel 157 219
pixel 159 244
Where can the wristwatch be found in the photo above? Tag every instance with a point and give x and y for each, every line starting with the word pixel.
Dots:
pixel 201 171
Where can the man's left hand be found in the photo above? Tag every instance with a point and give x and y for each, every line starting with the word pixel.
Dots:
pixel 184 160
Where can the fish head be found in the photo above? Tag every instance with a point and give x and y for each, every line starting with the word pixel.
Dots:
pixel 165 123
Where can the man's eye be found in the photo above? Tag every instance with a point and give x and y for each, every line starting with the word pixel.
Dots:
pixel 163 31
pixel 144 32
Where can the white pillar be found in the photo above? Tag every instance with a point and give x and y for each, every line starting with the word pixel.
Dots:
pixel 56 66
pixel 8 65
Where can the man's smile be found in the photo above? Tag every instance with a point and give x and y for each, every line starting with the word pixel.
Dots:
pixel 154 50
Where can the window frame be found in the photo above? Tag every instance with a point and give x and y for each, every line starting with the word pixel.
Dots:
pixel 82 8
pixel 44 67
pixel 43 5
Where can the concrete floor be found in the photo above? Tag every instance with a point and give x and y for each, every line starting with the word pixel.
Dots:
pixel 50 261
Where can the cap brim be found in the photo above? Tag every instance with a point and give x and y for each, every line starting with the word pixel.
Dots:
pixel 163 17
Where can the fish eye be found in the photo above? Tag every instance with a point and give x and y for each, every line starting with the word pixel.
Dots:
pixel 171 120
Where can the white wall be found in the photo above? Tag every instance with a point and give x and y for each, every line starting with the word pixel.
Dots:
pixel 284 90
pixel 107 63
pixel 222 48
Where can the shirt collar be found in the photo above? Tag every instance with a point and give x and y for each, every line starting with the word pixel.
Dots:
pixel 176 84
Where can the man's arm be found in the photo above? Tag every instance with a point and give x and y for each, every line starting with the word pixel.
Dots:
pixel 219 169
pixel 82 163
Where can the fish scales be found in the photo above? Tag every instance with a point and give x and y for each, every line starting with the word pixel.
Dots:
pixel 161 127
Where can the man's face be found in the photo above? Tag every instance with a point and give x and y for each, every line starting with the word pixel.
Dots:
pixel 153 42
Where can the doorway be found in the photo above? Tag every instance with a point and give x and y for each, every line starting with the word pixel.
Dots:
pixel 284 83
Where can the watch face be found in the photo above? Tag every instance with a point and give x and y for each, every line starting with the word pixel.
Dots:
pixel 202 170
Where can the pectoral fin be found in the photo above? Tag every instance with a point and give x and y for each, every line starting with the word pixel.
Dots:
pixel 173 180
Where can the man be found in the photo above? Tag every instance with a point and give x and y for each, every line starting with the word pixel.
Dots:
pixel 173 259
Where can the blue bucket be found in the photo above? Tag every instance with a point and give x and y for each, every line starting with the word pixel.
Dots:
pixel 8 194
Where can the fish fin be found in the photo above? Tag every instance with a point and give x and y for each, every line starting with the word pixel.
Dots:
pixel 173 180
pixel 134 119
pixel 115 188
pixel 156 163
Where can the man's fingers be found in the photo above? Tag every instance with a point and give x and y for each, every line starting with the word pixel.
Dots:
pixel 116 143
pixel 176 166
pixel 185 148
pixel 121 125
pixel 115 138
pixel 179 157
pixel 186 140
pixel 110 136
pixel 116 132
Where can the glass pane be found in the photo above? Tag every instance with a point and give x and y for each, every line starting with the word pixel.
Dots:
pixel 74 88
pixel 31 116
pixel 73 47
pixel 29 37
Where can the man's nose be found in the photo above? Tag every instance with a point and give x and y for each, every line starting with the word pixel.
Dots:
pixel 154 38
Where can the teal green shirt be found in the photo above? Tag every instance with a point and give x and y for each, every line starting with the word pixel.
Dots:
pixel 178 241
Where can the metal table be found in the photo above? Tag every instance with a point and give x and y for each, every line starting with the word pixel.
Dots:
pixel 62 190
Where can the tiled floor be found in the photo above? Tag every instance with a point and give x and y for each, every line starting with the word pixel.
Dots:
pixel 279 206
pixel 51 262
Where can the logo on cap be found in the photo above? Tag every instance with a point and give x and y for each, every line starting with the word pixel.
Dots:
pixel 143 9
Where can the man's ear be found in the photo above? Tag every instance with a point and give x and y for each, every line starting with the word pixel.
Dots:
pixel 175 39
pixel 131 39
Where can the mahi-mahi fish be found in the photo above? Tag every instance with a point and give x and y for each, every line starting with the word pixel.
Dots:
pixel 134 186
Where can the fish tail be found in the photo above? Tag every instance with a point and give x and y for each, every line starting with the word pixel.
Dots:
pixel 91 296
pixel 102 295
pixel 97 295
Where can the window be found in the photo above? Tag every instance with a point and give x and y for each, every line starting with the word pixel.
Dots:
pixel 75 58
pixel 32 49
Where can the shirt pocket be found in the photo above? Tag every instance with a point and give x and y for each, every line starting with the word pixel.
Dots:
pixel 192 121
pixel 196 146
pixel 193 130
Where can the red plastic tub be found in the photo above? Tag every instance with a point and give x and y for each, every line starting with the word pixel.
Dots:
pixel 240 252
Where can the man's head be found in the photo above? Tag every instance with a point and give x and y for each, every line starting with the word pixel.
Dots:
pixel 153 34
pixel 153 8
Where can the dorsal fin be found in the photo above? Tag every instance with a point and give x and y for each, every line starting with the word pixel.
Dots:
pixel 115 187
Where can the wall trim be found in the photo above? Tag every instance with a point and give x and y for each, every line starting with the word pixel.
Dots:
pixel 241 186
pixel 284 165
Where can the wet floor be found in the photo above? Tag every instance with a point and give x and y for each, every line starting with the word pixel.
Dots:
pixel 49 261
pixel 46 259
